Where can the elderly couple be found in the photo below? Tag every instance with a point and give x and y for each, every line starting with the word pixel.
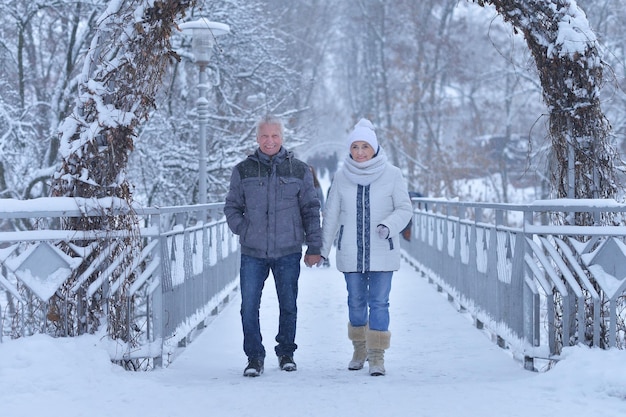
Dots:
pixel 274 208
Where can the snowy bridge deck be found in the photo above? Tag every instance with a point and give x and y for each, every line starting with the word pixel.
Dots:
pixel 439 365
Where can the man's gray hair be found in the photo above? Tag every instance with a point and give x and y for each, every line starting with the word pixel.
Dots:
pixel 269 119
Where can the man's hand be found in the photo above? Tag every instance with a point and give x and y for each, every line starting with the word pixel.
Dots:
pixel 383 231
pixel 310 260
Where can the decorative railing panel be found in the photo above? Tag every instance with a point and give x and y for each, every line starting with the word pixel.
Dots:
pixel 169 274
pixel 537 286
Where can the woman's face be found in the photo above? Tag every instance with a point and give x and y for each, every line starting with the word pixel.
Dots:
pixel 361 151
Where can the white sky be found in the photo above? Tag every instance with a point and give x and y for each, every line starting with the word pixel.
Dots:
pixel 439 365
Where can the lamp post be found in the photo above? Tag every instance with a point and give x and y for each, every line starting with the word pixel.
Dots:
pixel 203 33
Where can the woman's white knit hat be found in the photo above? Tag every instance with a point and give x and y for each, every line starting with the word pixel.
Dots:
pixel 363 131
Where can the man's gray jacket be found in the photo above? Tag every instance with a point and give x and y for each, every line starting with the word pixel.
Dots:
pixel 273 206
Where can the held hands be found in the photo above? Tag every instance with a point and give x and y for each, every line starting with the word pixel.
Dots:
pixel 383 231
pixel 311 260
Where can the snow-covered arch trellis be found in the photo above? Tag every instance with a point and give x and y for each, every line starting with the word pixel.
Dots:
pixel 570 69
pixel 122 73
pixel 567 56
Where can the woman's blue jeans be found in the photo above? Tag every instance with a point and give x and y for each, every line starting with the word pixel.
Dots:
pixel 368 299
pixel 252 275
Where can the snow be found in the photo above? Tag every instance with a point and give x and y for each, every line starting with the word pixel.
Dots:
pixel 574 34
pixel 439 364
pixel 43 268
pixel 68 204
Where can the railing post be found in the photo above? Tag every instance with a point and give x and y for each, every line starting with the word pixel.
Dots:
pixel 530 299
pixel 156 309
pixel 493 262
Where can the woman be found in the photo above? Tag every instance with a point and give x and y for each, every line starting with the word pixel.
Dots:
pixel 367 207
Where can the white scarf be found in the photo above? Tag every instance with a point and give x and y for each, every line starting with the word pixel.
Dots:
pixel 365 173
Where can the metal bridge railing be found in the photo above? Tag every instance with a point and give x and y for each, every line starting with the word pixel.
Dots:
pixel 182 272
pixel 535 285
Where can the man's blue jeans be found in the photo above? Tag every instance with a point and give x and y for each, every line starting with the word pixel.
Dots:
pixel 252 275
pixel 368 299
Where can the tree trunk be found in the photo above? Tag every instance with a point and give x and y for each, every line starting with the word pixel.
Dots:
pixel 122 74
pixel 570 70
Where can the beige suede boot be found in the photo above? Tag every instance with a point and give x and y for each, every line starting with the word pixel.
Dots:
pixel 357 335
pixel 377 343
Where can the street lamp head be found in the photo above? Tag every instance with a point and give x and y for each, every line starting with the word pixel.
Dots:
pixel 203 33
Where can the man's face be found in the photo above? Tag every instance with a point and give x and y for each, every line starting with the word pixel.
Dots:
pixel 269 139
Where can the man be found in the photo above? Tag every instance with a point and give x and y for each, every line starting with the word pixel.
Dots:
pixel 273 206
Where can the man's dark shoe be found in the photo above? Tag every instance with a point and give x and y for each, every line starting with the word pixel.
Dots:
pixel 254 368
pixel 286 363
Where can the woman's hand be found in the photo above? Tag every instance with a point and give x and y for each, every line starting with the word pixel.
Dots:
pixel 383 231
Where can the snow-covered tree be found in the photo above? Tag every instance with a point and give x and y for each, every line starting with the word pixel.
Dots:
pixel 570 68
pixel 428 76
pixel 251 72
pixel 41 47
pixel 121 76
